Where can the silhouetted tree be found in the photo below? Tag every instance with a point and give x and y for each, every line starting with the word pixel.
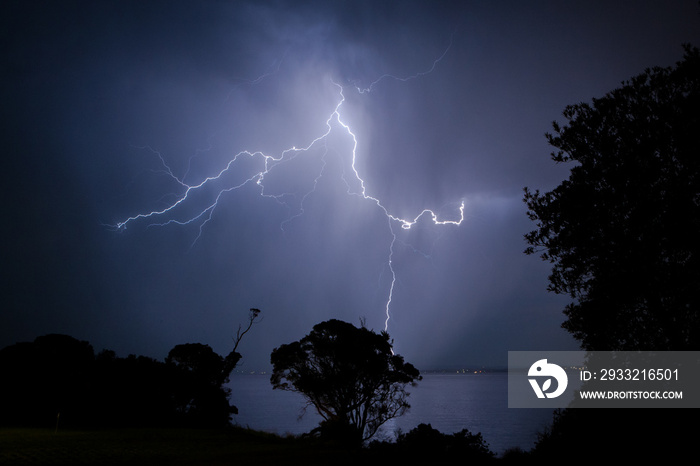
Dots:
pixel 622 232
pixel 622 235
pixel 201 397
pixel 57 374
pixel 45 378
pixel 349 375
pixel 135 391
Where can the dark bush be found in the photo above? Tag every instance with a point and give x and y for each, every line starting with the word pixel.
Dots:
pixel 426 445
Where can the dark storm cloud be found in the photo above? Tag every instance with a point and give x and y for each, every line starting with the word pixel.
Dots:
pixel 94 93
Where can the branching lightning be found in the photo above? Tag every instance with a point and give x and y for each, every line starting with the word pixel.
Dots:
pixel 270 162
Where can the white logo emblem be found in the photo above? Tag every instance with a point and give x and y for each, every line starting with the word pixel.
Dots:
pixel 542 368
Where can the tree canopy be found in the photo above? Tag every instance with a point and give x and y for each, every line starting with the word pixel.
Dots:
pixel 350 375
pixel 622 232
pixel 58 377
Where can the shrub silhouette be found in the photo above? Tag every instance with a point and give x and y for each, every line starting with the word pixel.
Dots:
pixel 426 445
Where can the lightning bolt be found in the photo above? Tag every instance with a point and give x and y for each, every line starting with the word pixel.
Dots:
pixel 270 162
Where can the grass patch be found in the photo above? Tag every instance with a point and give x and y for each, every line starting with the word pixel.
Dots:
pixel 161 446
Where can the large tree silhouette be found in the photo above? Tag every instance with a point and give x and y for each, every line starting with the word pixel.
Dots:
pixel 350 375
pixel 622 234
pixel 623 231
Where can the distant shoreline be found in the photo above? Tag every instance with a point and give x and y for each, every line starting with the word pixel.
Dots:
pixel 446 371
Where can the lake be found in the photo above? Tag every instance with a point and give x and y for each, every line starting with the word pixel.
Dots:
pixel 449 402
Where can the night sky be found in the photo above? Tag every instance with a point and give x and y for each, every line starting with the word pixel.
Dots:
pixel 111 109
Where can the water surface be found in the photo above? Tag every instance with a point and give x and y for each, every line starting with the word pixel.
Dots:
pixel 449 402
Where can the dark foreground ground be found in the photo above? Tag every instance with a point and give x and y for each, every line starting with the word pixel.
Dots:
pixel 235 446
pixel 155 447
